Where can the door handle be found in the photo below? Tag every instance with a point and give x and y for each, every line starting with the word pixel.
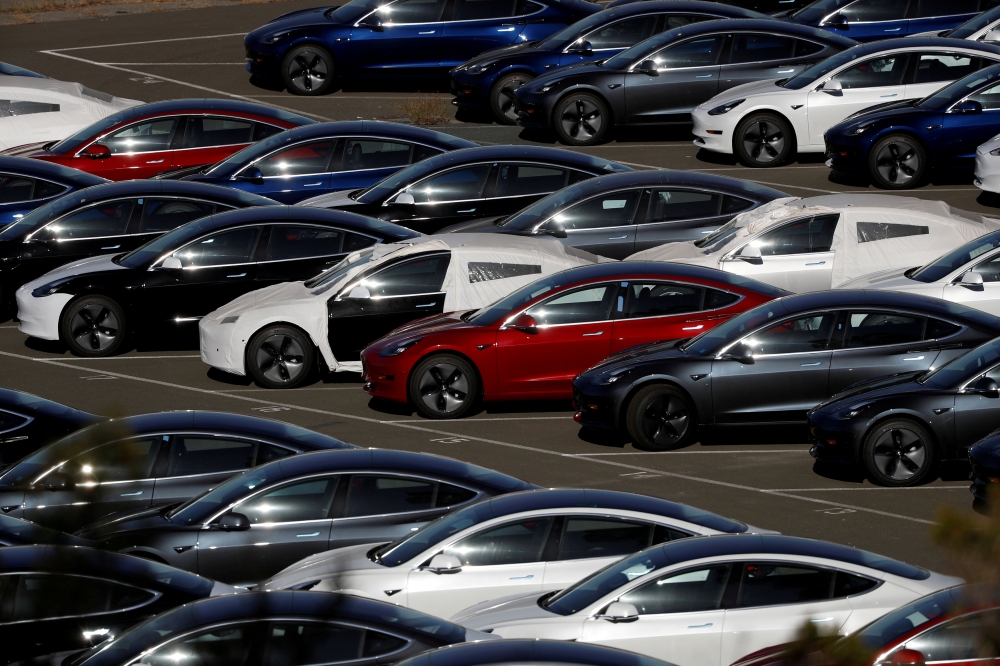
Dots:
pixel 703 76
pixel 237 275
pixel 816 263
pixel 312 184
pixel 914 358
pixel 427 305
pixel 892 95
pixel 824 619
pixel 505 30
pixel 311 534
pixel 528 577
pixel 154 161
pixel 429 32
pixel 617 237
pixel 590 335
pixel 468 210
pixel 710 231
pixel 111 247
pixel 892 30
pixel 786 71
pixel 699 626
pixel 138 492
pixel 806 365
pixel 693 328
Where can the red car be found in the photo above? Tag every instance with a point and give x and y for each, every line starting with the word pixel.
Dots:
pixel 147 140
pixel 532 343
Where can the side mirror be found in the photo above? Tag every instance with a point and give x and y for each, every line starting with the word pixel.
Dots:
pixel 252 174
pixel 525 324
pixel 555 231
pixel 971 279
pixel 992 36
pixel 234 522
pixel 60 481
pixel 404 199
pixel 583 46
pixel 986 385
pixel 442 563
pixel 833 87
pixel 97 151
pixel 620 612
pixel 741 352
pixel 750 254
pixel 908 657
pixel 837 21
pixel 372 22
pixel 968 106
pixel 360 292
pixel 648 67
pixel 171 264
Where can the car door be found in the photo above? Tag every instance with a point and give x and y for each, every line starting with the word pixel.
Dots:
pixel 97 229
pixel 655 310
pixel 675 214
pixel 364 161
pixel 869 82
pixel 573 333
pixel 965 131
pixel 680 617
pixel 789 374
pixel 975 412
pixel 937 15
pixel 294 173
pixel 759 56
pixel 686 75
pixel 159 215
pixel 191 463
pixel 520 185
pixel 139 150
pixel 615 37
pixel 985 297
pixel 936 69
pixel 445 198
pixel 797 256
pixel 397 294
pixel 231 643
pixel 407 43
pixel 868 20
pixel 299 642
pixel 604 224
pixel 299 251
pixel 497 561
pixel 209 139
pixel 476 26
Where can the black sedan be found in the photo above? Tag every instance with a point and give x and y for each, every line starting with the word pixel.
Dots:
pixel 105 219
pixel 28 422
pixel 468 184
pixel 772 364
pixel 985 458
pixel 897 429
pixel 280 629
pixel 17 532
pixel 142 461
pixel 661 80
pixel 164 287
pixel 260 522
pixel 62 598
pixel 531 651
pixel 620 214
pixel 27 184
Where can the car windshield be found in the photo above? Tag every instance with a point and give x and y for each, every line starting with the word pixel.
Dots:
pixel 945 97
pixel 816 11
pixel 723 233
pixel 71 143
pixel 564 37
pixel 579 596
pixel 714 339
pixel 354 10
pixel 529 218
pixel 906 618
pixel 332 275
pixel 963 368
pixel 818 71
pixel 976 24
pixel 632 54
pixel 492 313
pixel 199 509
pixel 249 154
pixel 38 218
pixel 955 259
pixel 411 545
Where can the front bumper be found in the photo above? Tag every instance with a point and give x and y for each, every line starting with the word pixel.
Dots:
pixel 531 114
pixel 264 64
pixel 987 176
pixel 832 448
pixel 985 482
pixel 386 378
pixel 39 317
pixel 468 95
pixel 215 341
pixel 711 134
pixel 845 157
pixel 594 412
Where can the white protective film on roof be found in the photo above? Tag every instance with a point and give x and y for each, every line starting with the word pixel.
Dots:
pixel 28 109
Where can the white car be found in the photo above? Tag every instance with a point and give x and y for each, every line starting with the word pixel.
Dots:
pixel 969 275
pixel 529 542
pixel 987 173
pixel 983 27
pixel 710 601
pixel 34 110
pixel 824 242
pixel 766 122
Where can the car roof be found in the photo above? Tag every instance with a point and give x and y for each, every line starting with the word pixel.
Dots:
pixel 515 152
pixel 210 105
pixel 767 25
pixel 338 128
pixel 630 7
pixel 29 404
pixel 152 188
pixel 17 532
pixel 41 169
pixel 935 43
pixel 530 651
pixel 655 177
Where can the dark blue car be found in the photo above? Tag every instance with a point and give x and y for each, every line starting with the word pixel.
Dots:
pixel 13 70
pixel 868 20
pixel 27 184
pixel 308 161
pixel 310 50
pixel 896 143
pixel 488 80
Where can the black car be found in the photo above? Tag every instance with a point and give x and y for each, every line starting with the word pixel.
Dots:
pixel 661 80
pixel 27 184
pixel 772 7
pixel 28 422
pixel 620 214
pixel 530 651
pixel 772 364
pixel 164 287
pixel 105 219
pixel 985 458
pixel 142 461
pixel 467 184
pixel 280 629
pixel 62 598
pixel 17 532
pixel 258 523
pixel 897 429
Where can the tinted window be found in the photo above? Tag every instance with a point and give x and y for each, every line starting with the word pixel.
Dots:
pixel 960 640
pixel 354 242
pixel 371 495
pixel 10 421
pixel 906 618
pixel 732 205
pixel 305 500
pixel 228 645
pixel 760 48
pixel 874 73
pixel 875 10
pixel 580 595
pixel 449 495
pixel 988 97
pixel 16 107
pixel 610 210
pixel 106 219
pixel 417 276
pixel 262 131
pixel 512 543
pixel 670 205
pixel 471 10
pixel 804 48
pixel 524 179
pixel 871 329
pixel 290 241
pixel 651 299
pixel 412 11
pixel 203 455
pixel 623 34
pixel 302 643
pixel 204 132
pixel 374 154
pixel 159 215
pixel 931 8
pixel 696 53
pixel 681 20
pixel 576 307
pixel 454 185
pixel 766 584
pixel 126 460
pixel 934 67
pixel 298 160
pixel 584 538
pixel 937 329
pixel 41 596
pixel 229 247
pixel 685 592
pixel 268 452
pixel 989 269
pixel 141 138
pixel 957 258
pixel 804 334
pixel 849 584
pixel 813 234
pixel 15 188
pixel 377 643
pixel 423 152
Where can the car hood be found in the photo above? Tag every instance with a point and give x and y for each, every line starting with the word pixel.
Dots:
pixel 893 278
pixel 654 351
pixel 338 199
pixel 579 69
pixel 495 55
pixel 876 388
pixel 766 87
pixel 324 565
pixel 299 19
pixel 76 268
pixel 889 112
pixel 282 294
pixel 440 323
pixel 992 144
pixel 126 521
pixel 517 608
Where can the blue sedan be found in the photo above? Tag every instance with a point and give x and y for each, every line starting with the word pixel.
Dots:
pixel 27 184
pixel 309 50
pixel 488 80
pixel 868 20
pixel 308 161
pixel 896 143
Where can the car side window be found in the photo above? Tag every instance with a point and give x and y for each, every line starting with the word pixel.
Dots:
pixel 104 219
pixel 698 589
pixel 416 276
pixel 412 11
pixel 15 188
pixel 517 542
pixel 297 241
pixel 374 154
pixel 864 11
pixel 262 130
pixel 301 643
pixel 44 596
pixel 375 495
pixel 732 205
pixel 10 421
pixel 680 20
pixel 354 242
pixel 141 137
pixel 623 34
pixel 988 97
pixel 874 72
pixel 655 299
pixel 959 640
pixel 204 132
pixel 935 67
pixel 934 8
pixel 873 329
pixel 421 153
pixel 455 185
pixel 304 500
pixel 937 329
pixel 160 215
pixel 814 234
pixel 847 585
pixel 806 48
pixel 989 269
pixel 576 307
pixel 760 48
pixel 585 537
pixel 269 452
pixel 191 454
pixel 609 210
pixel 229 644
pixel 477 10
pixel 771 584
pixel 700 52
pixel 227 248
pixel 301 160
pixel 668 205
pixel 802 334
pixel 125 460
pixel 518 180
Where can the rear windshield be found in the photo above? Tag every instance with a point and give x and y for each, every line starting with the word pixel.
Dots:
pixel 907 618
pixel 955 259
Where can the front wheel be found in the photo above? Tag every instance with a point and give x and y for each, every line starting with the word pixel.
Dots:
pixel 661 418
pixel 308 70
pixel 280 357
pixel 898 453
pixel 444 386
pixel 763 140
pixel 581 119
pixel 502 97
pixel 93 326
pixel 897 162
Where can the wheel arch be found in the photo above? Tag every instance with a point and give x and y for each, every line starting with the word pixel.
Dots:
pixel 112 295
pixel 908 132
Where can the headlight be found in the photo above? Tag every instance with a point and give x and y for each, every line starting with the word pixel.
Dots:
pixel 479 69
pixel 550 86
pixel 850 412
pixel 276 37
pixel 861 129
pixel 396 350
pixel 612 377
pixel 50 288
pixel 726 108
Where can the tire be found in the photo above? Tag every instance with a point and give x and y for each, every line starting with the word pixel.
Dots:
pixel 661 418
pixel 308 70
pixel 502 97
pixel 897 162
pixel 899 452
pixel 93 326
pixel 581 119
pixel 764 140
pixel 444 386
pixel 280 357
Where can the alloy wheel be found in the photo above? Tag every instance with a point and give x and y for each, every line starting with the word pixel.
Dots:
pixel 899 454
pixel 897 162
pixel 582 120
pixel 763 141
pixel 308 71
pixel 281 358
pixel 94 327
pixel 443 388
pixel 665 420
pixel 505 99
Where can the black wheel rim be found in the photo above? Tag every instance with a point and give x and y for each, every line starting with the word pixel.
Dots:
pixel 505 99
pixel 94 327
pixel 899 454
pixel 581 120
pixel 443 388
pixel 281 359
pixel 308 71
pixel 763 141
pixel 665 420
pixel 897 162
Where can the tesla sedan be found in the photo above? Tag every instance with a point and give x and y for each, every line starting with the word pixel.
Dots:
pixel 142 461
pixel 28 423
pixel 512 652
pixel 773 363
pixel 27 184
pixel 18 532
pixel 985 458
pixel 868 20
pixel 980 28
pixel 269 517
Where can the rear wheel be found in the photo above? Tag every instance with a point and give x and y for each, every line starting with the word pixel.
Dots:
pixel 581 119
pixel 897 162
pixel 899 452
pixel 93 326
pixel 661 418
pixel 444 386
pixel 764 140
pixel 280 357
pixel 502 97
pixel 308 70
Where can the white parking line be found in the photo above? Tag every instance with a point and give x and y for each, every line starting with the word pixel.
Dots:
pixel 823 490
pixel 195 64
pixel 677 453
pixel 122 358
pixel 495 442
pixel 151 41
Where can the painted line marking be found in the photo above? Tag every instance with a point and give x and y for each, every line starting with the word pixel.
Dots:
pixel 119 358
pixel 449 440
pixel 342 96
pixel 173 64
pixel 836 512
pixel 505 418
pixel 151 41
pixel 823 490
pixel 676 453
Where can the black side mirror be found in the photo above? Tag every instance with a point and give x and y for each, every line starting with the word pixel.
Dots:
pixel 372 22
pixel 583 47
pixel 837 21
pixel 252 174
pixel 986 385
pixel 969 106
pixel 741 352
pixel 234 522
pixel 648 67
pixel 63 481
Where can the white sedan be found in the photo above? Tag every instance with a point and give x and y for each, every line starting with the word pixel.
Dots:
pixel 528 542
pixel 983 27
pixel 987 174
pixel 710 601
pixel 766 122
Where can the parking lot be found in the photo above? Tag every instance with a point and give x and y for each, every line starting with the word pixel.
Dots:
pixel 761 477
